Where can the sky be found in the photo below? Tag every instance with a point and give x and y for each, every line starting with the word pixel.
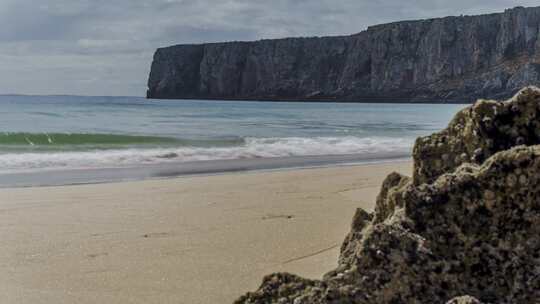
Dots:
pixel 105 47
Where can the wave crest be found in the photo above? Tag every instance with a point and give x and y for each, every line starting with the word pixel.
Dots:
pixel 76 141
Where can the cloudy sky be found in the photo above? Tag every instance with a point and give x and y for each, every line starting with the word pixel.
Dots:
pixel 105 47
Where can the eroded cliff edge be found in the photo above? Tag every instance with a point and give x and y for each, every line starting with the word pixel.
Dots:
pixel 445 59
pixel 464 229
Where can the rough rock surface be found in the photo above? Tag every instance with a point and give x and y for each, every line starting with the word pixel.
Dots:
pixel 471 229
pixel 453 58
pixel 464 300
pixel 477 133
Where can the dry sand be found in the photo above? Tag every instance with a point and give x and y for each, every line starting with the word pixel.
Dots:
pixel 205 239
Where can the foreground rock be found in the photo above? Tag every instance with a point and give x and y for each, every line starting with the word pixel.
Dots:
pixel 452 59
pixel 471 227
pixel 477 133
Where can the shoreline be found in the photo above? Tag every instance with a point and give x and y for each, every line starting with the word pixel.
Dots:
pixel 203 239
pixel 71 177
pixel 360 100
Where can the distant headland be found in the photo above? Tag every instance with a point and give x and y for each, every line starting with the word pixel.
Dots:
pixel 451 59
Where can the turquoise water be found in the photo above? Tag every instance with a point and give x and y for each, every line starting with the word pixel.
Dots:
pixel 59 132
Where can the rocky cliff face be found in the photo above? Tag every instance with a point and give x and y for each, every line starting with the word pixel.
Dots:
pixel 461 231
pixel 446 59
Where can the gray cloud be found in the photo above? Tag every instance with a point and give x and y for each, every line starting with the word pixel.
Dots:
pixel 105 47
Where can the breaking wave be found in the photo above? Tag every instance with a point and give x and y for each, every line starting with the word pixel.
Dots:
pixel 175 150
pixel 78 141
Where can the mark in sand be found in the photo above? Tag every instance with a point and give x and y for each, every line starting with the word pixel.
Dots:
pixel 95 255
pixel 277 216
pixel 311 254
pixel 156 235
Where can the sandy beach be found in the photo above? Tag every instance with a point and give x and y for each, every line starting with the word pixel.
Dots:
pixel 199 239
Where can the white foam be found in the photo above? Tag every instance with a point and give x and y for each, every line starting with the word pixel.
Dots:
pixel 253 148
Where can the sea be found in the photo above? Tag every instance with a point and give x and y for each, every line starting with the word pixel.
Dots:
pixel 53 140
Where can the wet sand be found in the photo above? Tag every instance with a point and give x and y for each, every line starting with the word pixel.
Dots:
pixel 198 239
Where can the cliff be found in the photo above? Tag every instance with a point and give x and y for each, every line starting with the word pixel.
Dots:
pixel 445 59
pixel 464 229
